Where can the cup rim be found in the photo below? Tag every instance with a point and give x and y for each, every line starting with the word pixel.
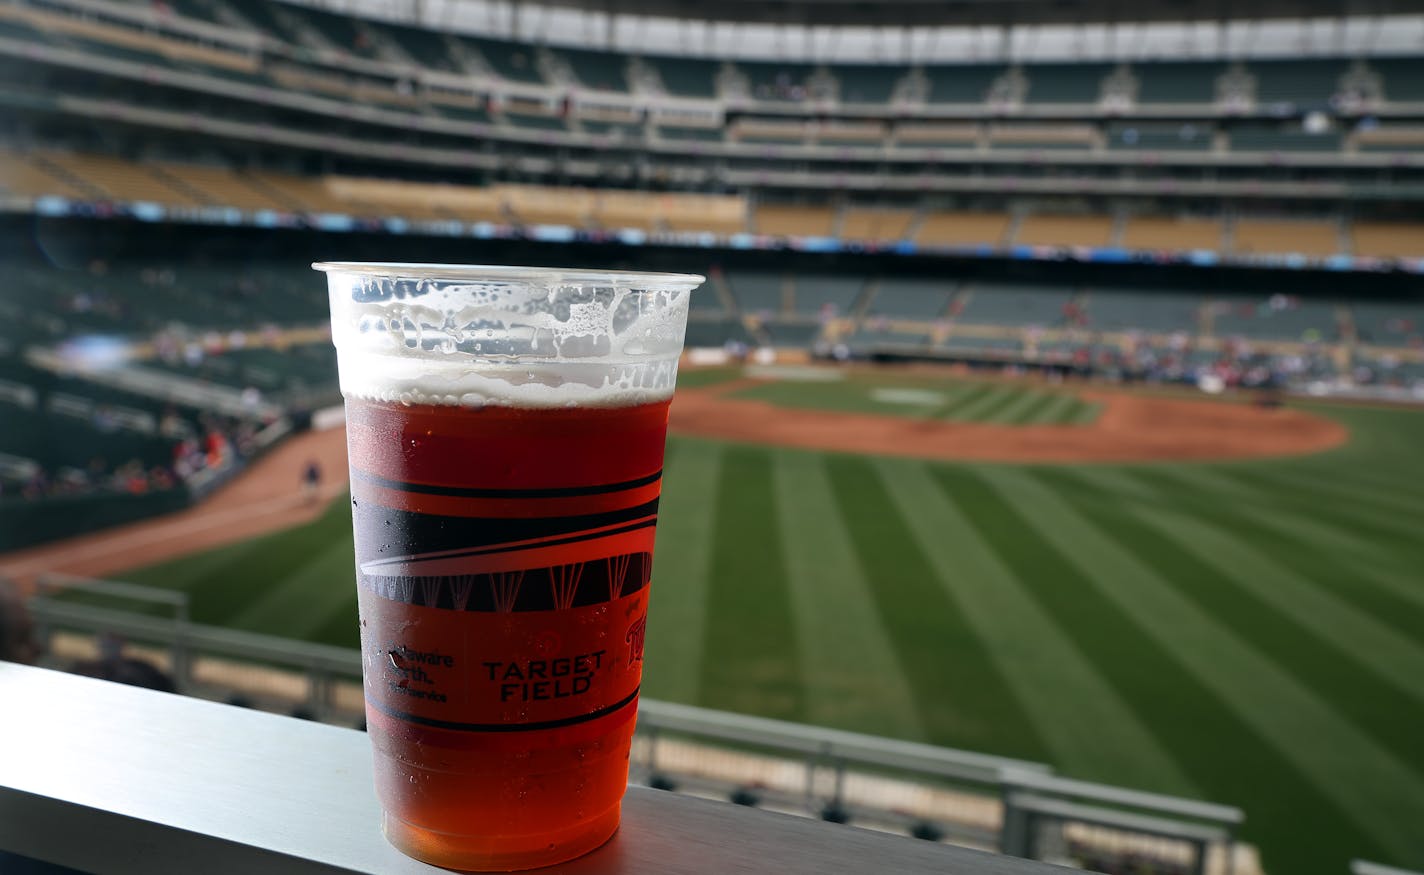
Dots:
pixel 507 273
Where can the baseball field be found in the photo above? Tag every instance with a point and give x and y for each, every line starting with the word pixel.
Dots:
pixel 1248 630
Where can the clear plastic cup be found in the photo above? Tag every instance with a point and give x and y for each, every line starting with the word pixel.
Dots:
pixel 506 428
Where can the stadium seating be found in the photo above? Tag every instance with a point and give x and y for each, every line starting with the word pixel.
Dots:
pixel 759 292
pixel 1066 83
pixel 426 48
pixel 792 334
pixel 419 201
pixel 721 214
pixel 1281 138
pixel 901 298
pixel 794 221
pixel 85 176
pixel 1153 232
pixel 1308 84
pixel 777 81
pixel 1159 136
pixel 865 224
pixel 944 134
pixel 1148 310
pixel 1392 323
pixel 216 186
pixel 869 133
pixel 1403 78
pixel 1177 82
pixel 980 345
pixel 601 71
pixel 1003 304
pixel 300 193
pixel 962 84
pixel 759 130
pixel 877 337
pixel 685 77
pixel 1255 236
pixel 533 205
pixel 1389 138
pixel 627 209
pixel 116 179
pixel 1280 318
pixel 1388 239
pixel 716 332
pixel 862 83
pixel 962 229
pixel 1043 136
pixel 1043 230
pixel 514 61
pixel 815 295
pixel 21 176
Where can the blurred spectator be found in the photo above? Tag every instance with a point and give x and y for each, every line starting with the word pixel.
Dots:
pixel 113 665
pixel 17 642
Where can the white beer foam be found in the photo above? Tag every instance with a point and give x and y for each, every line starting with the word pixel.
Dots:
pixel 411 380
pixel 478 344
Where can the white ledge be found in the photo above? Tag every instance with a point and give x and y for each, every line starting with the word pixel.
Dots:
pixel 112 779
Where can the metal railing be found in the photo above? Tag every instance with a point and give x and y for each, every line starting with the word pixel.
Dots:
pixel 1025 800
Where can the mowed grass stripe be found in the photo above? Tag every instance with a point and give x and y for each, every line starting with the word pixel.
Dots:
pixel 991 408
pixel 1118 481
pixel 1327 648
pixel 1310 550
pixel 1089 728
pixel 1024 405
pixel 1382 526
pixel 1326 487
pixel 1085 414
pixel 1304 536
pixel 1056 408
pixel 992 399
pixel 750 661
pixel 219 590
pixel 1120 612
pixel 953 395
pixel 1377 791
pixel 300 601
pixel 965 700
pixel 971 395
pixel 1263 606
pixel 852 675
pixel 341 627
pixel 1397 480
pixel 1341 486
pixel 677 601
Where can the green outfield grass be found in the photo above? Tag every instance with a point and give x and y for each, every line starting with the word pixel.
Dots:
pixel 919 397
pixel 1248 633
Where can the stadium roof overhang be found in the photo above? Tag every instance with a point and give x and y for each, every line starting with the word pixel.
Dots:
pixel 882 13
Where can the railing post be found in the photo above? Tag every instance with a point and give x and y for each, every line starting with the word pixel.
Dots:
pixel 318 692
pixel 811 762
pixel 1014 830
pixel 182 654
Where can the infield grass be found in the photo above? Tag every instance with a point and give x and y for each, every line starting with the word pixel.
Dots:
pixel 919 396
pixel 1250 633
